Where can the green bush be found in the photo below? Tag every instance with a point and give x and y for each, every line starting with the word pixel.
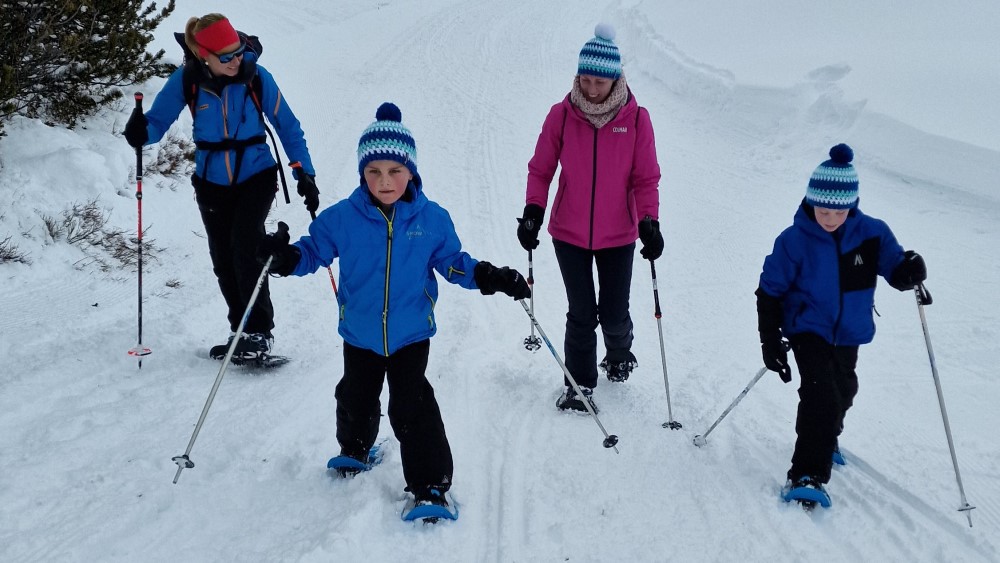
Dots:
pixel 62 60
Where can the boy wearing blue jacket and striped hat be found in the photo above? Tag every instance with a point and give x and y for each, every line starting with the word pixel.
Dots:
pixel 390 239
pixel 817 289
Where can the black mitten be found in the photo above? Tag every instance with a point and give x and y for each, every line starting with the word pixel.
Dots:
pixel 652 239
pixel 775 354
pixel 773 349
pixel 284 257
pixel 308 190
pixel 135 129
pixel 491 279
pixel 529 225
pixel 910 273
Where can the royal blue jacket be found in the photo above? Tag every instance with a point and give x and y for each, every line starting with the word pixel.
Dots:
pixel 387 288
pixel 231 114
pixel 826 281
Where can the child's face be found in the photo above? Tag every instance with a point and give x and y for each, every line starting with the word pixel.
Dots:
pixel 387 180
pixel 595 88
pixel 830 219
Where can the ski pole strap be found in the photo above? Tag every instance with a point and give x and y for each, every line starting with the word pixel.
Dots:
pixel 923 296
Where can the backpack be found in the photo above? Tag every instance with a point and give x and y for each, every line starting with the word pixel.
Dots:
pixel 191 82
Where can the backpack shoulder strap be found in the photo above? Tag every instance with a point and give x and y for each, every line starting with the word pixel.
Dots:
pixel 191 74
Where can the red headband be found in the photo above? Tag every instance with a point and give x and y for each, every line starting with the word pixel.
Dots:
pixel 216 37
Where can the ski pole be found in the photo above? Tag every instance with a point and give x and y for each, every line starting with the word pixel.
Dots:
pixel 610 440
pixel 333 281
pixel 670 423
pixel 924 298
pixel 184 461
pixel 701 439
pixel 139 350
pixel 531 343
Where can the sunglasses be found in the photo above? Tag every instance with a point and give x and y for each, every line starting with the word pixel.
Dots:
pixel 224 58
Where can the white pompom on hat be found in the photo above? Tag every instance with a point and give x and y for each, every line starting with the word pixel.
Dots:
pixel 600 56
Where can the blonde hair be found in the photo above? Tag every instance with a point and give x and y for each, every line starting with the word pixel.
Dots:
pixel 194 25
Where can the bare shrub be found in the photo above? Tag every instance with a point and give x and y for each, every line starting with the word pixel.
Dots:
pixel 175 157
pixel 107 248
pixel 9 252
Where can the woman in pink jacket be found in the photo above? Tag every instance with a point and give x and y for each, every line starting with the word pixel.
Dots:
pixel 607 197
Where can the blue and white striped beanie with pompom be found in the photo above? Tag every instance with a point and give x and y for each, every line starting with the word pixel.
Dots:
pixel 387 139
pixel 834 183
pixel 600 56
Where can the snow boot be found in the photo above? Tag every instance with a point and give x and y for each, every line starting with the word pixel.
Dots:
pixel 569 400
pixel 619 370
pixel 430 496
pixel 218 352
pixel 253 346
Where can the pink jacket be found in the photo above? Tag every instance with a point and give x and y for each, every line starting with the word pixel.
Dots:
pixel 610 177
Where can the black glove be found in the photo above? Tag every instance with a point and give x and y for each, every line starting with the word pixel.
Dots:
pixel 529 225
pixel 491 279
pixel 308 190
pixel 652 240
pixel 774 349
pixel 284 257
pixel 775 353
pixel 135 129
pixel 910 273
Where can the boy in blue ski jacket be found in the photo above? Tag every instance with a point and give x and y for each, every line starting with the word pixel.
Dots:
pixel 817 289
pixel 390 239
pixel 235 175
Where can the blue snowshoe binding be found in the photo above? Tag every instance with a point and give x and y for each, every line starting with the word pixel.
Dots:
pixel 349 466
pixel 429 506
pixel 807 491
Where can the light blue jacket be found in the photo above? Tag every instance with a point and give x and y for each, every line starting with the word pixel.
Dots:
pixel 387 288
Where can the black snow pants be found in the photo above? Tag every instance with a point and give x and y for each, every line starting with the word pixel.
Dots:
pixel 234 224
pixel 588 308
pixel 827 389
pixel 413 412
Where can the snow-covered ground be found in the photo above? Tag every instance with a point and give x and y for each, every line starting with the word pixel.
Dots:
pixel 86 437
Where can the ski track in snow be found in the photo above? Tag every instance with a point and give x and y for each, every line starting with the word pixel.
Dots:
pixel 87 438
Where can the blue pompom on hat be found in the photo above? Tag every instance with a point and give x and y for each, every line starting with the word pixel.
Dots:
pixel 387 139
pixel 600 56
pixel 834 183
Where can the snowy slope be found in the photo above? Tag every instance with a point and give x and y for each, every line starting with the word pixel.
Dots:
pixel 86 437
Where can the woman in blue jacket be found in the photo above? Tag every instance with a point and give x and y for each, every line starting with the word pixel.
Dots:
pixel 390 239
pixel 235 176
pixel 817 289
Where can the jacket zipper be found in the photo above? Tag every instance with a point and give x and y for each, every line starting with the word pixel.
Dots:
pixel 385 296
pixel 593 193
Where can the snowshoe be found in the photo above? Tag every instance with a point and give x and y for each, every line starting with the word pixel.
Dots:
pixel 429 506
pixel 347 465
pixel 838 457
pixel 807 491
